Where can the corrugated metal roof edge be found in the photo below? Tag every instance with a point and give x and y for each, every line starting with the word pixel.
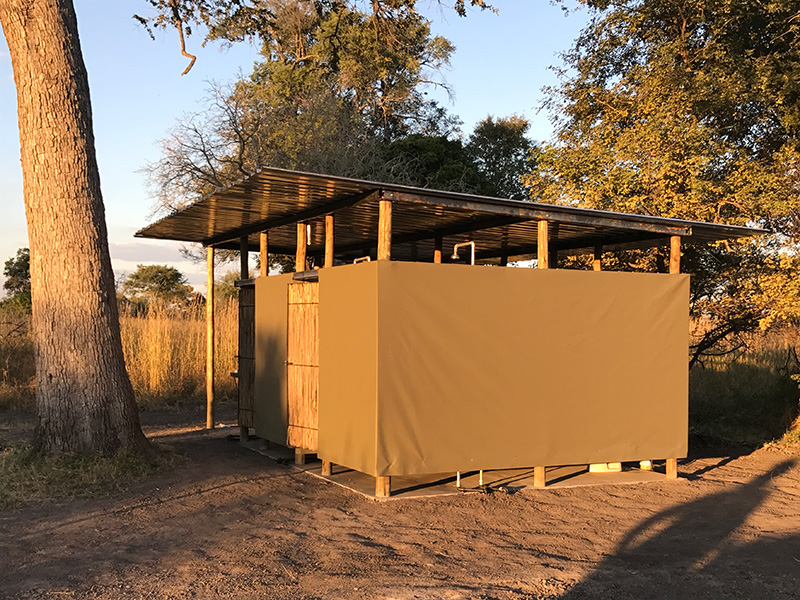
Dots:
pixel 722 230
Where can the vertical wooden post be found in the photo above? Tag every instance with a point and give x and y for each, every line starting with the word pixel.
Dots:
pixel 327 468
pixel 539 479
pixel 674 269
pixel 383 487
pixel 302 240
pixel 437 250
pixel 263 253
pixel 210 337
pixel 244 273
pixel 504 260
pixel 675 254
pixel 552 246
pixel 244 258
pixel 597 263
pixel 543 245
pixel 328 240
pixel 385 230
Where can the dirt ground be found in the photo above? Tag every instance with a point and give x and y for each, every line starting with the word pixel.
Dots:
pixel 230 523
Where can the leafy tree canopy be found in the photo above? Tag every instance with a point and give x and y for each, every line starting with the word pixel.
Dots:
pixel 687 109
pixel 18 280
pixel 156 283
pixel 502 154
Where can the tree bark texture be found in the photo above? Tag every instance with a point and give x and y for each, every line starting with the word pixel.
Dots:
pixel 84 397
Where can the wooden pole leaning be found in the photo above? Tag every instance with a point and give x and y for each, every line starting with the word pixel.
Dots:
pixel 210 337
pixel 385 230
pixel 244 273
pixel 302 241
pixel 674 269
pixel 263 253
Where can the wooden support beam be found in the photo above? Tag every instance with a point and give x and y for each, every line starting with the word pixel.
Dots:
pixel 263 253
pixel 539 477
pixel 552 245
pixel 385 230
pixel 672 468
pixel 209 338
pixel 244 273
pixel 244 259
pixel 302 243
pixel 437 249
pixel 299 456
pixel 327 468
pixel 543 245
pixel 675 254
pixel 597 262
pixel 328 240
pixel 383 487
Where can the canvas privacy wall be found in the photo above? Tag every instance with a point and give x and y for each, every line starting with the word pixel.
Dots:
pixel 428 368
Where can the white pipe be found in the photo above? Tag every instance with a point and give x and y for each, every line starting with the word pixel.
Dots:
pixel 480 477
pixel 458 479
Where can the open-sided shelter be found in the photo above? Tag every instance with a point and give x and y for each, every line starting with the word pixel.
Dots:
pixel 399 347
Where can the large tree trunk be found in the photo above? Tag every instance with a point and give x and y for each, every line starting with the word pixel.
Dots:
pixel 84 397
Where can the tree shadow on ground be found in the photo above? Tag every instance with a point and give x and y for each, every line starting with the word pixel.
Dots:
pixel 701 550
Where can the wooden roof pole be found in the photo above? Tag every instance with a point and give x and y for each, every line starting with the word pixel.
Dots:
pixel 329 228
pixel 244 273
pixel 552 246
pixel 543 246
pixel 437 250
pixel 263 256
pixel 674 269
pixel 675 254
pixel 597 262
pixel 385 230
pixel 327 466
pixel 302 241
pixel 209 337
pixel 244 258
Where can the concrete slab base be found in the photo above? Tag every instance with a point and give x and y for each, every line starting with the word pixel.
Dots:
pixel 444 484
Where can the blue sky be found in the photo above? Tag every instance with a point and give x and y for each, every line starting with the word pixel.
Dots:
pixel 500 65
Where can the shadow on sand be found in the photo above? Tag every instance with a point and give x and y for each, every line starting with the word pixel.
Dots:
pixel 700 550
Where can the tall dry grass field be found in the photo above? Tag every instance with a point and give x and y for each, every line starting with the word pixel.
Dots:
pixel 165 353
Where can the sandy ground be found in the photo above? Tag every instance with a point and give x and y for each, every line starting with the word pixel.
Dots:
pixel 230 523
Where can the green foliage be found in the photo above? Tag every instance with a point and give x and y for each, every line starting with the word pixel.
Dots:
pixel 27 477
pixel 502 155
pixel 156 283
pixel 18 281
pixel 334 86
pixel 434 162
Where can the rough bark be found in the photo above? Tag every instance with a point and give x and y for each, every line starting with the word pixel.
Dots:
pixel 84 397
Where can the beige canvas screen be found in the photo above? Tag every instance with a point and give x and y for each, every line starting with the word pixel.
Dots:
pixel 271 409
pixel 428 368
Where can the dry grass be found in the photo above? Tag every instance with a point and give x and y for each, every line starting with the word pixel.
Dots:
pixel 165 352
